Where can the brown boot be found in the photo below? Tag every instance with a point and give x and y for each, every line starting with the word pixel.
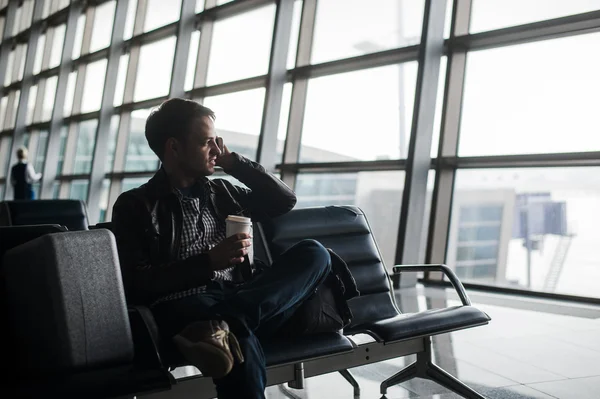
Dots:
pixel 210 346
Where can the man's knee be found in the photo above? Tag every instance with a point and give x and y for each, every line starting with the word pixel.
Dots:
pixel 318 254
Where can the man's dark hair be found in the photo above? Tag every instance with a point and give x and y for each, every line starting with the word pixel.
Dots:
pixel 172 119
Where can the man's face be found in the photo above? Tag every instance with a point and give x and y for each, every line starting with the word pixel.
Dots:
pixel 199 149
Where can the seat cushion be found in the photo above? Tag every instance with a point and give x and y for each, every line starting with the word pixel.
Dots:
pixel 429 322
pixel 281 350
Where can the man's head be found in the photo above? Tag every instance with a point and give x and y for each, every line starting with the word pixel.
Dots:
pixel 182 134
pixel 22 153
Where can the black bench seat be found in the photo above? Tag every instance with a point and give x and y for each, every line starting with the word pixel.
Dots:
pixel 342 228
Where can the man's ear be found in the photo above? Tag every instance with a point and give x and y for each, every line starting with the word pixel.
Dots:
pixel 173 146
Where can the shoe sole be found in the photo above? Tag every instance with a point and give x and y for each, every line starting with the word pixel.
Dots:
pixel 209 359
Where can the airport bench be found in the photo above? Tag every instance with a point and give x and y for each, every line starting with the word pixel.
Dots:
pixel 138 352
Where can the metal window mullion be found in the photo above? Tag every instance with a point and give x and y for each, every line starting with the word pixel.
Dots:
pixel 206 33
pixel 106 112
pixel 412 213
pixel 21 117
pixel 185 28
pixel 267 142
pixel 293 140
pixel 50 163
pixel 441 205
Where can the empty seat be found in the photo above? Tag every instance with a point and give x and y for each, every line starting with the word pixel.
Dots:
pixel 69 213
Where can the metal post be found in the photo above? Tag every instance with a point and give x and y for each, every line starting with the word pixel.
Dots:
pixel 185 28
pixel 441 204
pixel 412 215
pixel 267 141
pixel 106 112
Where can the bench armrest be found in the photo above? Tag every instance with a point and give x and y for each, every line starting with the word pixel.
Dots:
pixel 460 290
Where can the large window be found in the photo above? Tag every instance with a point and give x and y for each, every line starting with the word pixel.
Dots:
pixel 241 46
pixel 238 119
pixel 359 116
pixel 532 98
pixel 530 228
pixel 352 29
pixel 489 15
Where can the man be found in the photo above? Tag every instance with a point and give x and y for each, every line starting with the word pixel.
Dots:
pixel 175 258
pixel 22 176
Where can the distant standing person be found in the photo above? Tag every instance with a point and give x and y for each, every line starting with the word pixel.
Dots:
pixel 22 176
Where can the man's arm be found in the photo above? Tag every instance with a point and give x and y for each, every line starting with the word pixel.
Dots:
pixel 268 196
pixel 145 278
pixel 31 176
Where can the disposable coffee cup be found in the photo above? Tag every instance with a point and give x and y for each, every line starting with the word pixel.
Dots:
pixel 239 224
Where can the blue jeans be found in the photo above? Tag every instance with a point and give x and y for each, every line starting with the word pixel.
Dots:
pixel 256 308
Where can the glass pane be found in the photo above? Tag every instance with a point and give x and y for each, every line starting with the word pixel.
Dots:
pixel 31 104
pixel 439 104
pixel 40 153
pixel 359 116
pixel 199 6
pixel 130 20
pixel 70 93
pixel 79 190
pixel 13 116
pixel 84 151
pixel 139 156
pixel 112 142
pixel 1 185
pixel 241 46
pixel 160 13
pixel 378 194
pixel 37 62
pixel 284 117
pixel 23 54
pixel 488 15
pixel 5 143
pixel 93 86
pixel 61 151
pixel 9 68
pixel 239 117
pixel 103 24
pixel 79 36
pixel 56 190
pixel 103 205
pixel 1 37
pixel 49 95
pixel 57 46
pixel 555 109
pixel 133 182
pixel 294 34
pixel 529 228
pixel 121 76
pixel 191 64
pixel 154 69
pixel 3 108
pixel 348 28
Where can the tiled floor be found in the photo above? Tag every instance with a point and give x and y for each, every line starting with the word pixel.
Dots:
pixel 531 349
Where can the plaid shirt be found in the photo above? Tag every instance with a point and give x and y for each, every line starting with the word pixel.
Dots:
pixel 202 229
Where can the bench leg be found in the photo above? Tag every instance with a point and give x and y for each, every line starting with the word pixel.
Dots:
pixel 405 374
pixel 350 378
pixel 452 383
pixel 425 368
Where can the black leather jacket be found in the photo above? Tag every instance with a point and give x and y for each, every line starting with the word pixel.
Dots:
pixel 148 220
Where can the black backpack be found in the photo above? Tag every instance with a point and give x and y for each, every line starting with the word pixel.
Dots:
pixel 326 310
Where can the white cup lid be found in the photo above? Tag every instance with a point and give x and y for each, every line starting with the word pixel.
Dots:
pixel 238 219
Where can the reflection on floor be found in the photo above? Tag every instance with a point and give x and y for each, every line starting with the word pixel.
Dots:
pixel 528 351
